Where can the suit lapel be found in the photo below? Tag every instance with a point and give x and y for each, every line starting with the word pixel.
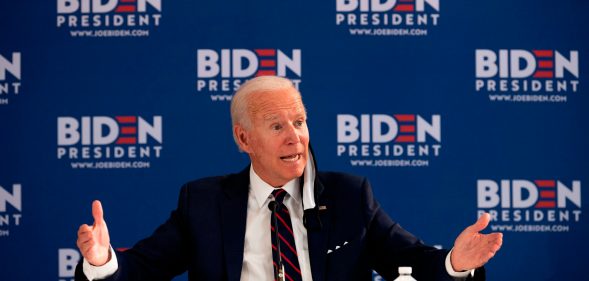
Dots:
pixel 317 239
pixel 234 217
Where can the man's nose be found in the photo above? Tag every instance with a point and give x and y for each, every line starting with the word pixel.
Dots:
pixel 292 135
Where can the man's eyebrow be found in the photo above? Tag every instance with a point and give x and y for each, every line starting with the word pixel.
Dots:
pixel 301 114
pixel 270 117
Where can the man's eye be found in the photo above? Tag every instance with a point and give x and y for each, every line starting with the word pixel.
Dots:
pixel 299 123
pixel 276 127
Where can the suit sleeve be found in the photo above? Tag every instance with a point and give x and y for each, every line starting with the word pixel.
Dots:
pixel 390 246
pixel 161 256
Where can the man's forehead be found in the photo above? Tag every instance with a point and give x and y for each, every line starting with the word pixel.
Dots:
pixel 296 111
pixel 271 105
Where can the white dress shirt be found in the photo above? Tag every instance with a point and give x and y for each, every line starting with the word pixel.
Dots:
pixel 257 250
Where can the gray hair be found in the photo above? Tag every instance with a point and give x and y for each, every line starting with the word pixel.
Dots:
pixel 240 101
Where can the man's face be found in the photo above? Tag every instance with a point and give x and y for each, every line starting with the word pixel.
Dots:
pixel 278 140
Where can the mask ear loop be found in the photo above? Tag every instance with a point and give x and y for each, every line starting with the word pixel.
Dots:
pixel 311 218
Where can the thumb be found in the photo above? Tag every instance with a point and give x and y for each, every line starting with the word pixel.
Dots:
pixel 97 212
pixel 481 223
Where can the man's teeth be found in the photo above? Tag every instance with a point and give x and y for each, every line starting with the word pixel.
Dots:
pixel 291 157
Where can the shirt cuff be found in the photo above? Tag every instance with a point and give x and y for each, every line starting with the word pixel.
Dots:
pixel 457 275
pixel 103 271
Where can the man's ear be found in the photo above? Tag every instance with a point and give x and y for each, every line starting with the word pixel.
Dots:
pixel 242 137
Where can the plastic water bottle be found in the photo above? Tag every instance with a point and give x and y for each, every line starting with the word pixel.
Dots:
pixel 405 274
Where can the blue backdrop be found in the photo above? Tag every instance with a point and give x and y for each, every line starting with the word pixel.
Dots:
pixel 449 107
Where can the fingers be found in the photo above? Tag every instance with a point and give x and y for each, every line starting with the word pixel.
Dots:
pixel 473 249
pixel 85 235
pixel 93 240
pixel 493 244
pixel 495 241
pixel 92 250
pixel 97 212
pixel 495 236
pixel 481 223
pixel 84 228
pixel 85 247
pixel 491 252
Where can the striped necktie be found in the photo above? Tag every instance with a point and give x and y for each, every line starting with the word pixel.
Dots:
pixel 286 242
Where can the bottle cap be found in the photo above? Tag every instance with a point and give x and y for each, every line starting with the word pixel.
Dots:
pixel 405 270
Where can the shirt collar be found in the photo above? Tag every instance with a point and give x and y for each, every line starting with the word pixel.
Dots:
pixel 262 190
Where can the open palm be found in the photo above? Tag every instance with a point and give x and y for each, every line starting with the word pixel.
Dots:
pixel 473 249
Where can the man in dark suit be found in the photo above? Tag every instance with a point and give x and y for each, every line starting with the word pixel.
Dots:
pixel 279 218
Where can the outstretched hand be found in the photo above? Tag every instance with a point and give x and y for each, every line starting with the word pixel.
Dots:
pixel 94 241
pixel 473 249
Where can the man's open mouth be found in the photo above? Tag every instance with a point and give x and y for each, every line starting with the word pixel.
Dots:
pixel 291 158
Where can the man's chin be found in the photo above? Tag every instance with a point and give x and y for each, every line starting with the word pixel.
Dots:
pixel 296 173
pixel 299 172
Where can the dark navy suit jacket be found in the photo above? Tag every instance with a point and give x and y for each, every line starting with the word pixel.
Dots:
pixel 205 235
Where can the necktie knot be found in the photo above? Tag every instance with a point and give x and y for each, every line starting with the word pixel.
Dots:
pixel 279 195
